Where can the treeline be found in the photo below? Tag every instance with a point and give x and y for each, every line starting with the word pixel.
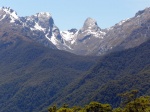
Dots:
pixel 129 103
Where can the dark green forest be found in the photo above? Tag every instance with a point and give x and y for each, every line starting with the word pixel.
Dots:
pixel 114 73
pixel 30 74
pixel 32 77
pixel 129 103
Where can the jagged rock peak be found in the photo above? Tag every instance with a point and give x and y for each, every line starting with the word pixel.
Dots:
pixel 7 9
pixel 146 10
pixel 44 14
pixel 40 20
pixel 73 30
pixel 44 17
pixel 90 22
pixel 10 11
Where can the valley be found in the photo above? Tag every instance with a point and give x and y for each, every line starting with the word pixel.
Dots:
pixel 41 66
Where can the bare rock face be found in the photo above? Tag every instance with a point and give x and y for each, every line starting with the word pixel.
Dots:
pixel 38 28
pixel 90 27
pixel 90 24
pixel 8 15
pixel 89 40
pixel 129 33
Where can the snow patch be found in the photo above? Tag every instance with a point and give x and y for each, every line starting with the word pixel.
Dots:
pixel 47 14
pixel 68 46
pixel 38 27
pixel 99 34
pixel 73 41
pixel 13 14
pixel 67 35
pixel 111 28
pixel 3 17
pixel 123 21
pixel 54 40
pixel 47 35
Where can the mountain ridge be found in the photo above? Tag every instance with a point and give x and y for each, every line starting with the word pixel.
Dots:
pixel 35 72
pixel 89 40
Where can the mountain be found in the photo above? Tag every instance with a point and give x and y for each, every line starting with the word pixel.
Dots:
pixel 30 73
pixel 37 28
pixel 36 73
pixel 89 40
pixel 129 33
pixel 113 74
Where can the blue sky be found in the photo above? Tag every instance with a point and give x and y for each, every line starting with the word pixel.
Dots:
pixel 69 14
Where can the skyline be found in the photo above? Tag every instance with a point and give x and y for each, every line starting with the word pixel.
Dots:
pixel 72 14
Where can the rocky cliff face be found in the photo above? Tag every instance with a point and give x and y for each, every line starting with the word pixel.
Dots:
pixel 38 28
pixel 89 40
pixel 88 37
pixel 129 33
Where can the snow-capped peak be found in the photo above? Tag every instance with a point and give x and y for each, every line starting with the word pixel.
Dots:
pixel 12 14
pixel 40 22
pixel 43 15
pixel 46 14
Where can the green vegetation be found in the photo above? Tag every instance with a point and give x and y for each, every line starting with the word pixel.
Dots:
pixel 130 104
pixel 30 74
pixel 33 77
pixel 114 73
pixel 92 107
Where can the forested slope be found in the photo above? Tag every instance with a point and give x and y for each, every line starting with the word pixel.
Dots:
pixel 30 74
pixel 113 74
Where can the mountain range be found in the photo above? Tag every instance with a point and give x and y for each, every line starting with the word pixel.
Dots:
pixel 89 40
pixel 41 65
